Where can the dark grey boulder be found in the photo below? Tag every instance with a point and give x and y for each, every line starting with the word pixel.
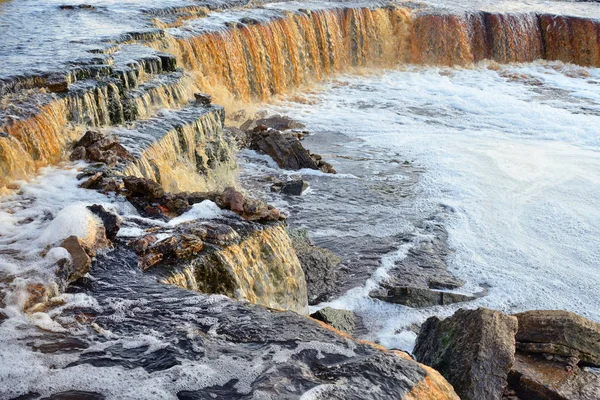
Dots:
pixel 342 320
pixel 294 188
pixel 474 350
pixel 320 267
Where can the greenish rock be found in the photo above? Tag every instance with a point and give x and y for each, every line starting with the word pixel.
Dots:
pixel 474 350
pixel 342 320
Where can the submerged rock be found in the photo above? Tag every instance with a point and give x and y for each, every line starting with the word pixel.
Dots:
pixel 559 333
pixel 294 188
pixel 320 267
pixel 473 349
pixel 341 320
pixel 79 263
pixel 418 297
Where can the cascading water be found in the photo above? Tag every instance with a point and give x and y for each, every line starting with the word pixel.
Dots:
pixel 433 162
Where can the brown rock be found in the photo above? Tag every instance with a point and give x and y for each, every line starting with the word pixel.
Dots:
pixel 142 187
pixel 533 377
pixel 93 181
pixel 79 153
pixel 562 329
pixel 80 262
pixel 233 200
pixel 473 349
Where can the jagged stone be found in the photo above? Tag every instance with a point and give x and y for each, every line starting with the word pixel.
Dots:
pixel 142 188
pixel 203 99
pixel 80 262
pixel 341 320
pixel 287 152
pixel 418 297
pixel 93 182
pixel 473 349
pixel 277 122
pixel 320 266
pixel 561 329
pixel 534 377
pixel 111 221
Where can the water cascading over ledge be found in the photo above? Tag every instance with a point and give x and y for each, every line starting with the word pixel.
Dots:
pixel 257 60
pixel 254 62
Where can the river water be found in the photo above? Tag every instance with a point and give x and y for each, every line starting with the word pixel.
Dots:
pixel 506 157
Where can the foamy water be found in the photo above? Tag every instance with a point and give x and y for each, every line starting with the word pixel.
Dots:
pixel 515 154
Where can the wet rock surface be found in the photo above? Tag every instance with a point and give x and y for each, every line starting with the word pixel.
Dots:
pixel 275 354
pixel 321 267
pixel 474 350
pixel 418 297
pixel 341 320
pixel 285 149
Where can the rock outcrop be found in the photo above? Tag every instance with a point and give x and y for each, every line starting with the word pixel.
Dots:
pixel 286 150
pixel 320 266
pixel 473 349
pixel 241 260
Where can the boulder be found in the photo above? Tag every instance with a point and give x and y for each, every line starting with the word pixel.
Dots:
pixel 111 221
pixel 294 188
pixel 561 333
pixel 203 99
pixel 342 320
pixel 94 146
pixel 534 377
pixel 474 350
pixel 142 188
pixel 320 266
pixel 80 262
pixel 418 297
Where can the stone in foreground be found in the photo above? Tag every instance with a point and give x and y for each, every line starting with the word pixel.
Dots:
pixel 561 333
pixel 342 320
pixel 473 349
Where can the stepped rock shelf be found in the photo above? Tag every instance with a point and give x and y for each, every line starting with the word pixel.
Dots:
pixel 136 267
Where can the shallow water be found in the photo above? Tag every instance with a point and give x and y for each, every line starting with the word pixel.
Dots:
pixel 510 162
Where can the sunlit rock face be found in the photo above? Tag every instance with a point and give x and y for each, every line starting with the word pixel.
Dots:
pixel 244 262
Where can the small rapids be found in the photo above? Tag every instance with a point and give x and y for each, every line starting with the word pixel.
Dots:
pixel 505 158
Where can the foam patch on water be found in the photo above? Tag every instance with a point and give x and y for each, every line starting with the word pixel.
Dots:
pixel 518 165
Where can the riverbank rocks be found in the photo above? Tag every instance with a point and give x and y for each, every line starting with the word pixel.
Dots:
pixel 277 122
pixel 79 263
pixel 473 349
pixel 485 356
pixel 559 333
pixel 320 266
pixel 342 320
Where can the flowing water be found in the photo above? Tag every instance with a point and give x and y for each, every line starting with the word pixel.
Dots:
pixel 492 167
pixel 507 160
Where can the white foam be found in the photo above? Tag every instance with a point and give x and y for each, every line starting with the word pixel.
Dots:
pixel 204 210
pixel 519 164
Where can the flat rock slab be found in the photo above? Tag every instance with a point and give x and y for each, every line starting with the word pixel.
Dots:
pixel 533 377
pixel 565 331
pixel 474 350
pixel 418 297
